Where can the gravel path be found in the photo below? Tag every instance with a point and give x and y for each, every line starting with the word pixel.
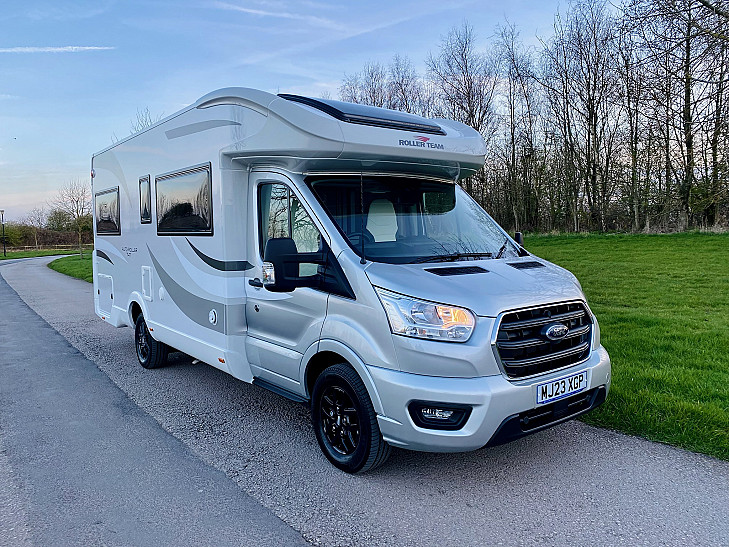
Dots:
pixel 572 485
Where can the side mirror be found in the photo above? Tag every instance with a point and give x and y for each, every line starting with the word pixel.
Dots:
pixel 281 265
pixel 519 238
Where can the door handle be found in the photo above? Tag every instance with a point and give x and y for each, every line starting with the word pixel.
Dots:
pixel 255 283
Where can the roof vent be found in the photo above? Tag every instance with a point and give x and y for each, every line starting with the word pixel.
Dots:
pixel 457 270
pixel 368 115
pixel 527 265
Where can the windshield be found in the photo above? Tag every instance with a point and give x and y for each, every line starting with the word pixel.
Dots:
pixel 410 220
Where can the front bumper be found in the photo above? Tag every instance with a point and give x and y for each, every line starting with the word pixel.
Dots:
pixel 498 404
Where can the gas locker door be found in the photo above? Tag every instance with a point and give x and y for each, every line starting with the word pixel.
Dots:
pixel 281 326
pixel 105 292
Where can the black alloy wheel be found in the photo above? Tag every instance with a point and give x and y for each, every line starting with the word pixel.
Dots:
pixel 340 421
pixel 150 352
pixel 345 423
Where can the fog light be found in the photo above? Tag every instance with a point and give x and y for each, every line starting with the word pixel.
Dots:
pixel 436 413
pixel 432 415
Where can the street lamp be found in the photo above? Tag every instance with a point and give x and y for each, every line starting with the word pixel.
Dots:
pixel 2 220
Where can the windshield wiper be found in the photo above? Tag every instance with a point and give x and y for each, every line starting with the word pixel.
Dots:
pixel 502 249
pixel 449 258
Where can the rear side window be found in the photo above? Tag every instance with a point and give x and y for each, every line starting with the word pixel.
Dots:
pixel 145 201
pixel 184 202
pixel 106 208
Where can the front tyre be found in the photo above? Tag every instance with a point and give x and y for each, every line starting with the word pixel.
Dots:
pixel 345 423
pixel 150 352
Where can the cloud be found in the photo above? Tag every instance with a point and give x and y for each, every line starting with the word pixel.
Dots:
pixel 310 19
pixel 59 49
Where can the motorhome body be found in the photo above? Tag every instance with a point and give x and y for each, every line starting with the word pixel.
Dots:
pixel 307 246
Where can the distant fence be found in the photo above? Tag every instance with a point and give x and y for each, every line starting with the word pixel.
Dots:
pixel 85 246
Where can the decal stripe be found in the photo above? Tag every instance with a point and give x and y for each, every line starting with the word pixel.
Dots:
pixel 102 254
pixel 231 317
pixel 197 127
pixel 221 265
pixel 192 306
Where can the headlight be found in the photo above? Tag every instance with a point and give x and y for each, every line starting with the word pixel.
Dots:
pixel 420 319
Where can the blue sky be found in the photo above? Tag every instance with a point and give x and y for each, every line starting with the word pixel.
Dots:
pixel 74 73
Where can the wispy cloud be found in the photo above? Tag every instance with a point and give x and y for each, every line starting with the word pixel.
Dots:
pixel 58 49
pixel 303 18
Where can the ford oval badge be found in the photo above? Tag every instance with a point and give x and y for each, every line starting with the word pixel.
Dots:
pixel 556 331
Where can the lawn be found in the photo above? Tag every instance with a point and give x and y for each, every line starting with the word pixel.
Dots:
pixel 662 302
pixel 30 254
pixel 75 266
pixel 663 306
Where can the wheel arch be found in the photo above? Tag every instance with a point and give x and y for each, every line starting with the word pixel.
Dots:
pixel 135 308
pixel 330 352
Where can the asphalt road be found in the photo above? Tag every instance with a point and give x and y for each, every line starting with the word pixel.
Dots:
pixel 571 485
pixel 84 465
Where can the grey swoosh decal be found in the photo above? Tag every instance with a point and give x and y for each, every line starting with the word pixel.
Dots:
pixel 102 254
pixel 222 265
pixel 194 307
pixel 197 127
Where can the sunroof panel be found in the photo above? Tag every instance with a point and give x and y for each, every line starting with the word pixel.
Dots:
pixel 368 115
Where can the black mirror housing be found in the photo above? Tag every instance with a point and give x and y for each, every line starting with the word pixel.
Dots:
pixel 519 238
pixel 281 252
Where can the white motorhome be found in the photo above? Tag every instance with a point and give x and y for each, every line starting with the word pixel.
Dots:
pixel 325 251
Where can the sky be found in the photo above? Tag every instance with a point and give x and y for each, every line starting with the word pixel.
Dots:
pixel 74 73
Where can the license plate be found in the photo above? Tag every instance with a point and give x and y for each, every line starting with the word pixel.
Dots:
pixel 561 387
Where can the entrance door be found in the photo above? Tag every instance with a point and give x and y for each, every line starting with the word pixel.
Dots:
pixel 281 326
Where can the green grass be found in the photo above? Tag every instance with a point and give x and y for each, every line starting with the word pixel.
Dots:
pixel 30 254
pixel 663 306
pixel 662 302
pixel 75 266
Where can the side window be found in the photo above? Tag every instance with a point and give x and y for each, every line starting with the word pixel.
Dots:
pixel 303 231
pixel 106 207
pixel 145 201
pixel 282 215
pixel 184 202
pixel 273 200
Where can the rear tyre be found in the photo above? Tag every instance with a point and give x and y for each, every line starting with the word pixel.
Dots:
pixel 345 423
pixel 150 352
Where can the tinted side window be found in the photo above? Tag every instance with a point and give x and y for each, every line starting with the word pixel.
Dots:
pixel 273 210
pixel 184 202
pixel 106 207
pixel 145 201
pixel 282 215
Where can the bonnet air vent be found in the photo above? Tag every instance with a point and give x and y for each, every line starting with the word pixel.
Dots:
pixel 368 115
pixel 527 265
pixel 457 270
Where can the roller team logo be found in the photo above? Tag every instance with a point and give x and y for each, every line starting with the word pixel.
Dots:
pixel 419 141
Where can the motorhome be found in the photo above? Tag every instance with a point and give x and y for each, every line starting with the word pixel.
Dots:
pixel 325 251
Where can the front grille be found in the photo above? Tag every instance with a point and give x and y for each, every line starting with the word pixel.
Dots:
pixel 526 350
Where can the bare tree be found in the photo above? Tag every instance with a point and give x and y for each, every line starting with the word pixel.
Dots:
pixel 143 120
pixel 74 199
pixel 620 121
pixel 36 219
pixel 466 81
